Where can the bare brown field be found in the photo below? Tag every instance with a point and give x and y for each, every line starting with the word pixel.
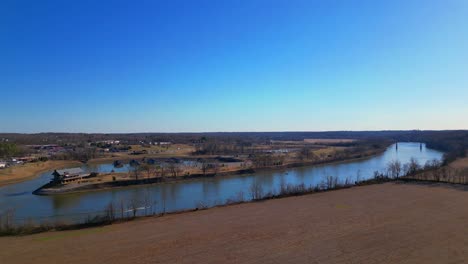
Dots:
pixel 460 163
pixel 328 141
pixel 177 149
pixel 386 223
pixel 28 171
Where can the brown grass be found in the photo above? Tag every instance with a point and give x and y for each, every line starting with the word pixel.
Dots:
pixel 28 171
pixel 176 150
pixel 328 141
pixel 385 223
pixel 328 150
pixel 460 163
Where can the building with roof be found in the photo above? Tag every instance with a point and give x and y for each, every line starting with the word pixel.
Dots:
pixel 70 175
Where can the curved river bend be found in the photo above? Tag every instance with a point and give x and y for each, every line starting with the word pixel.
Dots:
pixel 189 194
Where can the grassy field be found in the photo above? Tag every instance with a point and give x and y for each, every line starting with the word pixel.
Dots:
pixel 327 141
pixel 27 171
pixel 384 223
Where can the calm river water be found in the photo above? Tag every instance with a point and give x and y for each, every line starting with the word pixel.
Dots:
pixel 189 194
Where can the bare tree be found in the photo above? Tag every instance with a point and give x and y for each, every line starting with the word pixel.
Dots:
pixel 256 190
pixel 160 171
pixel 172 169
pixel 150 170
pixel 204 166
pixel 122 208
pixel 136 169
pixel 432 164
pixel 134 205
pixel 412 167
pixel 147 201
pixel 305 153
pixel 110 212
pixel 261 160
pixel 178 170
pixel 331 182
pixel 216 167
pixel 358 176
pixel 394 168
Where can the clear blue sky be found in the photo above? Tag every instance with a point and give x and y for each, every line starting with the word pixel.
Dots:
pixel 173 66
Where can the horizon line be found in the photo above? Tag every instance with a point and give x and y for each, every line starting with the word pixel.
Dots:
pixel 214 132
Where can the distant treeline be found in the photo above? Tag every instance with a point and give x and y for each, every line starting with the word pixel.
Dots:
pixel 76 138
pixel 454 142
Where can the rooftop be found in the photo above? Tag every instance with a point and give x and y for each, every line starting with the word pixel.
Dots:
pixel 70 171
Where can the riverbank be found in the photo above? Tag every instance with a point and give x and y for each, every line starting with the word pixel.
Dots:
pixel 27 171
pixel 385 223
pixel 49 189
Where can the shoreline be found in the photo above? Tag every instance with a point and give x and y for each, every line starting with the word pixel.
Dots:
pixel 32 175
pixel 295 191
pixel 100 222
pixel 373 210
pixel 43 190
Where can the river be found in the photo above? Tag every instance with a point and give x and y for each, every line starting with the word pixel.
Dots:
pixel 191 194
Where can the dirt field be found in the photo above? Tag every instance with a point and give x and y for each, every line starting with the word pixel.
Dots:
pixel 460 163
pixel 387 223
pixel 27 171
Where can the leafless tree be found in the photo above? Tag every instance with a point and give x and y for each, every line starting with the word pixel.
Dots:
pixel 122 208
pixel 160 170
pixel 179 170
pixel 216 167
pixel 432 164
pixel 147 201
pixel 6 220
pixel 150 170
pixel 306 153
pixel 134 205
pixel 394 168
pixel 110 212
pixel 173 169
pixel 204 166
pixel 331 182
pixel 136 169
pixel 412 167
pixel 256 190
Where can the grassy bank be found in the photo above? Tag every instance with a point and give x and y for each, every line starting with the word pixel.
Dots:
pixel 27 171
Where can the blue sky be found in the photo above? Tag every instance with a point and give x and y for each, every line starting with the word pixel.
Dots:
pixel 189 66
